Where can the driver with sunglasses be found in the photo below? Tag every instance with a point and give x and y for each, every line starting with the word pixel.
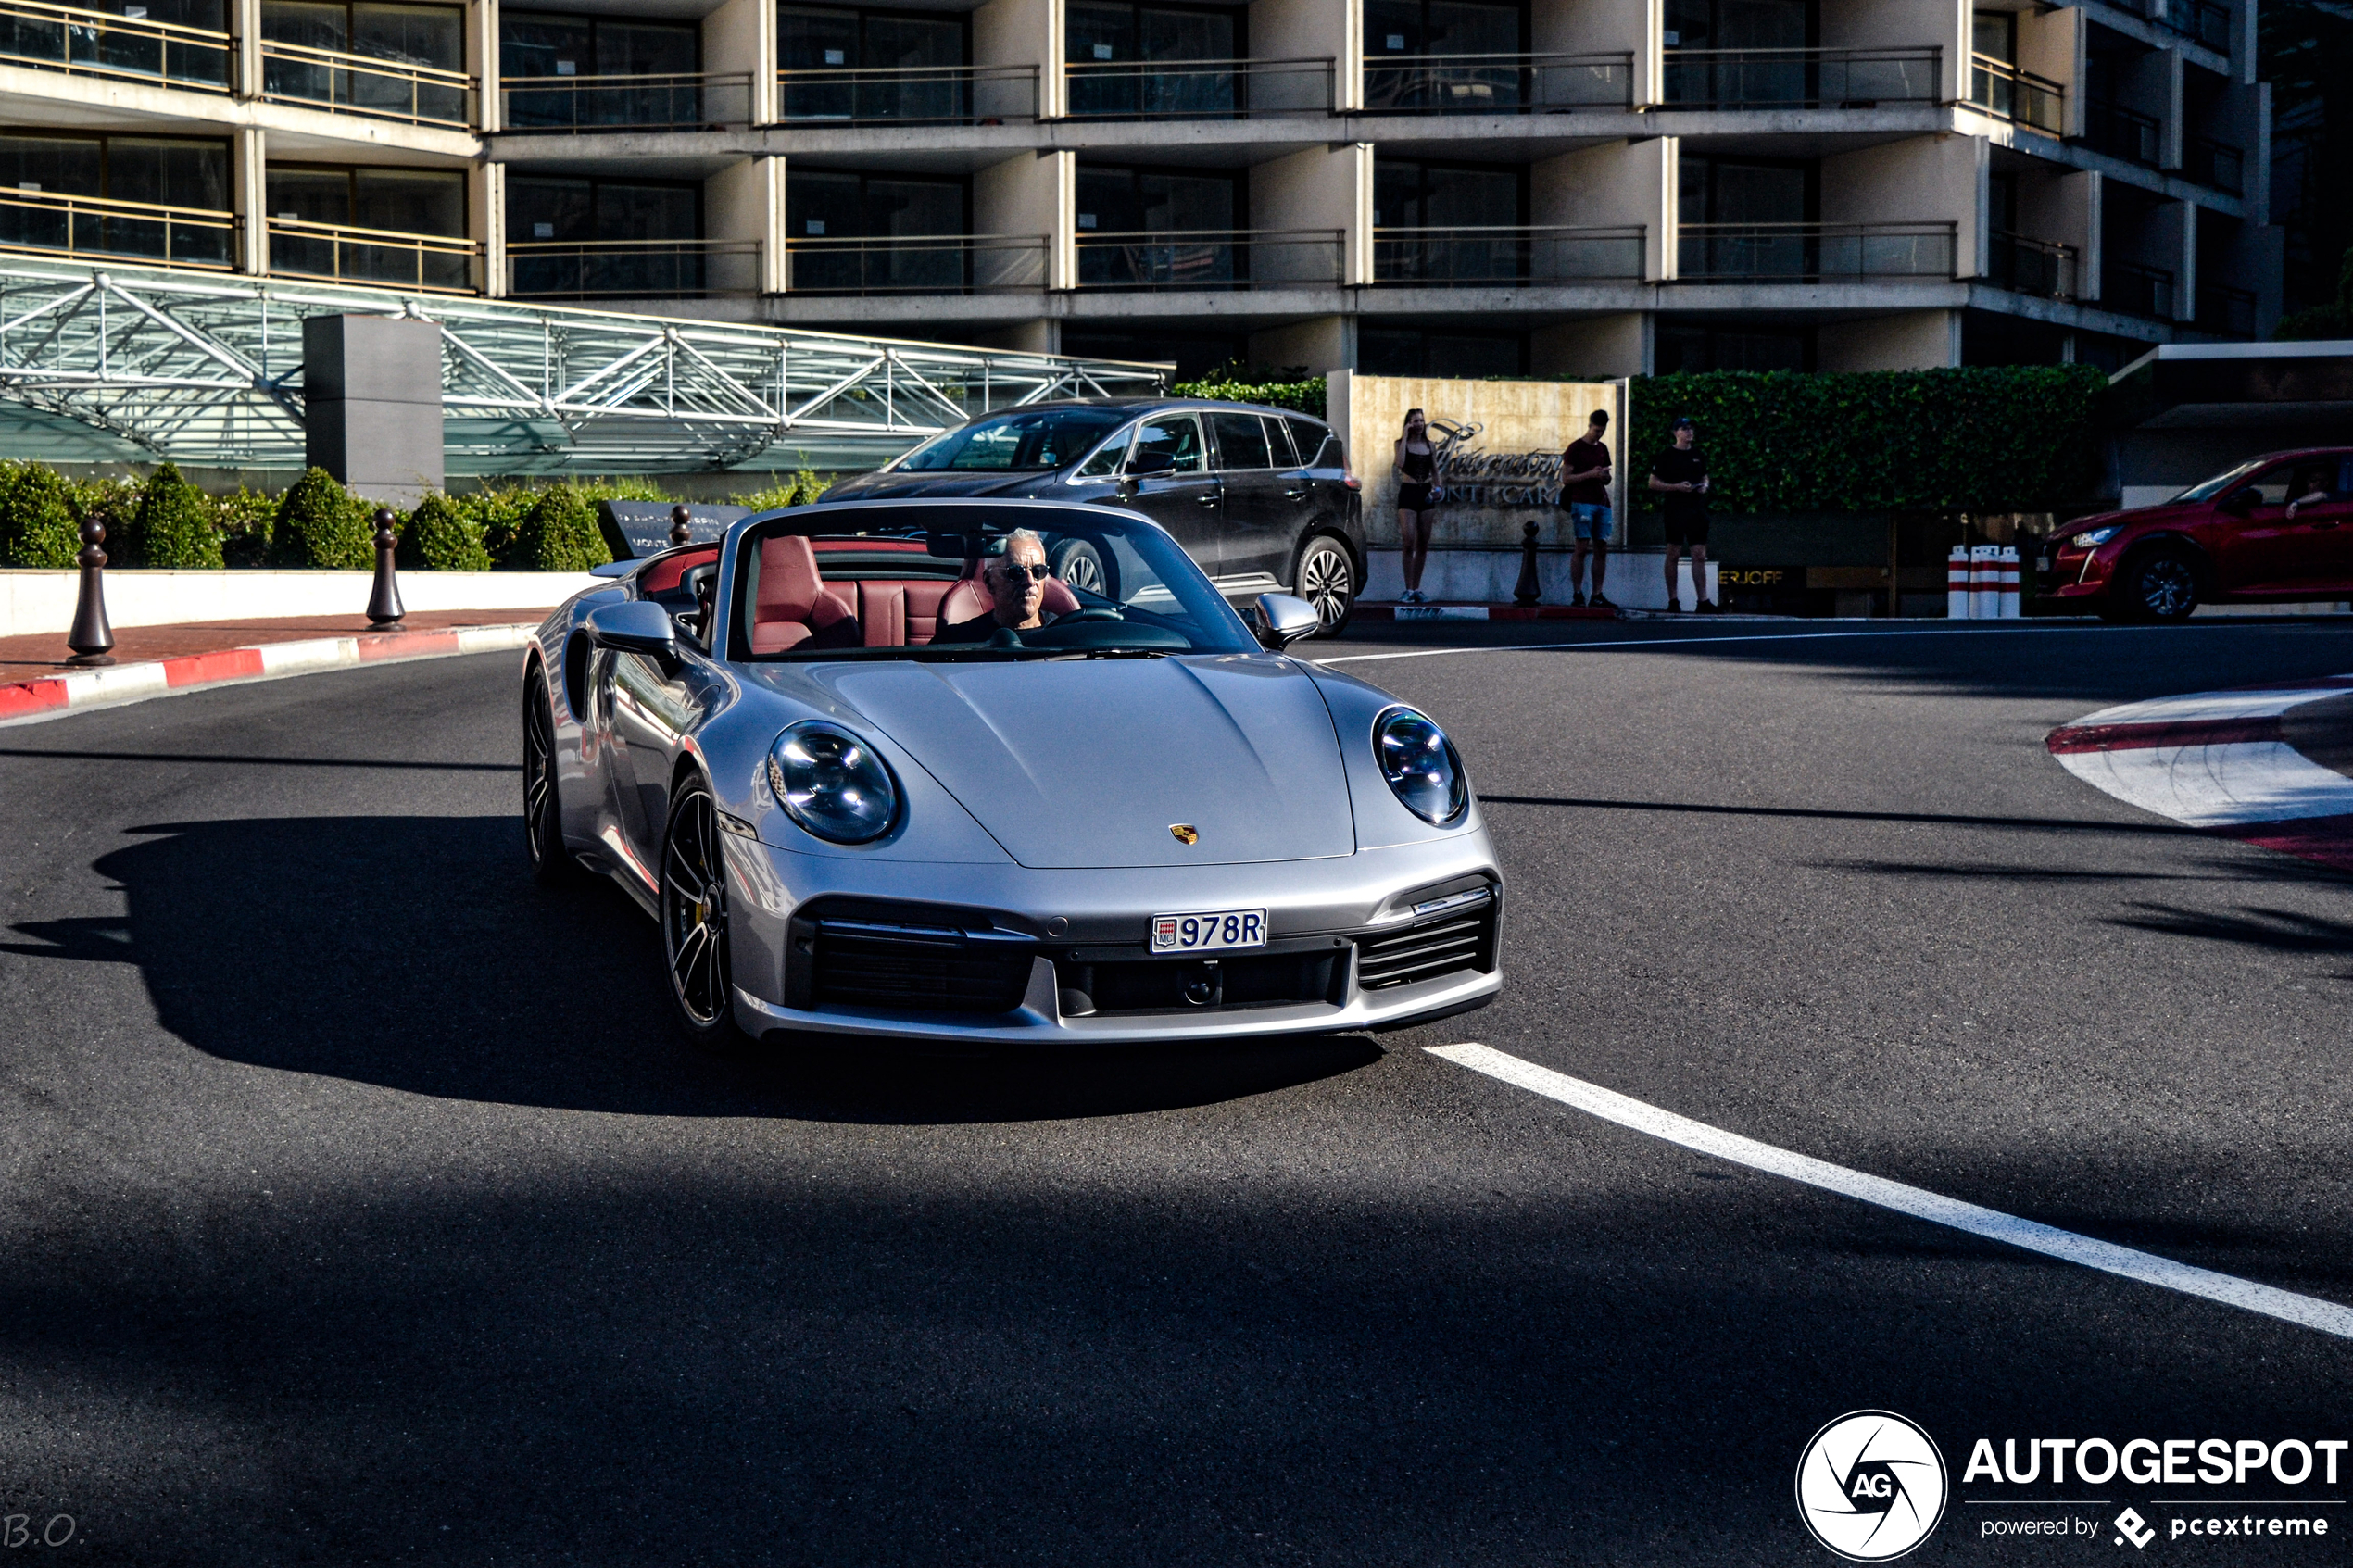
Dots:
pixel 1017 580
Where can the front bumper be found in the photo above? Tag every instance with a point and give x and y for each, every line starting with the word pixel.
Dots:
pixel 1344 922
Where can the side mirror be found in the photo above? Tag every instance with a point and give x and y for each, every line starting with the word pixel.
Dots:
pixel 1141 463
pixel 1279 620
pixel 2238 503
pixel 637 626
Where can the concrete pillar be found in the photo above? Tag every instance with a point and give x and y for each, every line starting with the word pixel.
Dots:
pixel 1595 347
pixel 249 182
pixel 1318 188
pixel 1041 337
pixel 1032 194
pixel 2052 45
pixel 1322 344
pixel 487 220
pixel 1622 184
pixel 741 36
pixel 372 404
pixel 1910 340
pixel 1025 32
pixel 2174 233
pixel 482 61
pixel 1305 30
pixel 745 201
pixel 244 21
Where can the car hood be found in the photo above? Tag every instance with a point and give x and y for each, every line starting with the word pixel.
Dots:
pixel 896 486
pixel 1091 762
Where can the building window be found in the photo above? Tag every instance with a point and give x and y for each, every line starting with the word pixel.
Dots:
pixel 40 177
pixel 908 64
pixel 1106 45
pixel 850 233
pixel 1687 346
pixel 1395 28
pixel 1198 210
pixel 1448 196
pixel 606 237
pixel 415 35
pixel 1742 24
pixel 1995 35
pixel 1439 351
pixel 406 210
pixel 548 51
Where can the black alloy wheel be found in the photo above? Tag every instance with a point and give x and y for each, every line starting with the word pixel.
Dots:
pixel 1324 575
pixel 2161 585
pixel 543 816
pixel 694 923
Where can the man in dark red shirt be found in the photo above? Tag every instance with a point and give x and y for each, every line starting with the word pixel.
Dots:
pixel 1585 491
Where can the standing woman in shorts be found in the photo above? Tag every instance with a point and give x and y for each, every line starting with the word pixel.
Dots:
pixel 1416 500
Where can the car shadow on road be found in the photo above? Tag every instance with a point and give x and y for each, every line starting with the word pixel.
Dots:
pixel 416 953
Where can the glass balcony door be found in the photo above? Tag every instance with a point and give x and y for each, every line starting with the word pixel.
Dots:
pixel 878 65
pixel 874 233
pixel 1160 228
pixel 1111 48
pixel 584 237
pixel 322 45
pixel 579 72
pixel 1759 197
pixel 1445 56
pixel 1717 42
pixel 1441 222
pixel 149 198
pixel 399 226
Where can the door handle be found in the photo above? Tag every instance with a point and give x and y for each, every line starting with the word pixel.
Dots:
pixel 1209 499
pixel 2328 522
pixel 1294 494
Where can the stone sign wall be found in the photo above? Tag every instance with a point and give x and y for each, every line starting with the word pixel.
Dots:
pixel 1499 442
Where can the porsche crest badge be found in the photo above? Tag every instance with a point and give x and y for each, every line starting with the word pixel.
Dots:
pixel 1184 832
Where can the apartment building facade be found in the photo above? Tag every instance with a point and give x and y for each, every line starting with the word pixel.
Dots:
pixel 1464 187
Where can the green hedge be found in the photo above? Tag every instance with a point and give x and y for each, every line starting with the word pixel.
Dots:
pixel 440 536
pixel 559 533
pixel 2007 439
pixel 321 525
pixel 1307 396
pixel 177 524
pixel 38 523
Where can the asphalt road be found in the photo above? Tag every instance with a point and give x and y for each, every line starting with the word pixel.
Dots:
pixel 357 1206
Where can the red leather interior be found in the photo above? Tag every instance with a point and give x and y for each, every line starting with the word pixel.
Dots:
pixel 665 573
pixel 795 606
pixel 799 609
pixel 968 598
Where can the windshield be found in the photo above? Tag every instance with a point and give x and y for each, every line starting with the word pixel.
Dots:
pixel 1033 439
pixel 927 581
pixel 2215 486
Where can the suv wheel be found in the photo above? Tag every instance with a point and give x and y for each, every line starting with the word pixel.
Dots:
pixel 1079 564
pixel 2160 586
pixel 1324 575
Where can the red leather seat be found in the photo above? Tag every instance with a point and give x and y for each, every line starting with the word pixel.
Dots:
pixel 969 598
pixel 795 608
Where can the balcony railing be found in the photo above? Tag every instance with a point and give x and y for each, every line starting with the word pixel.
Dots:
pixel 1519 256
pixel 440 264
pixel 66 38
pixel 704 101
pixel 329 79
pixel 916 264
pixel 2215 163
pixel 1497 84
pixel 2201 21
pixel 1838 79
pixel 1814 253
pixel 1210 259
pixel 1199 89
pixel 2029 266
pixel 2121 133
pixel 2001 89
pixel 631 268
pixel 908 95
pixel 2135 290
pixel 2222 308
pixel 57 224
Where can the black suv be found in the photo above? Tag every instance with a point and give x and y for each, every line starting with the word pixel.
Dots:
pixel 1259 497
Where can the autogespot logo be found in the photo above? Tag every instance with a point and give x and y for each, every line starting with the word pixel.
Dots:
pixel 1870 1486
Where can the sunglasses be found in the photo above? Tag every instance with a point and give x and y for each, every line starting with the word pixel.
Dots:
pixel 1038 570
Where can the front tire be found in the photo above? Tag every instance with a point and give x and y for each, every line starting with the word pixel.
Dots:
pixel 694 925
pixel 1324 575
pixel 2161 585
pixel 1082 566
pixel 543 810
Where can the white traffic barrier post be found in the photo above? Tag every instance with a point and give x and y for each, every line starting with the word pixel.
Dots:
pixel 1957 584
pixel 1984 583
pixel 2010 582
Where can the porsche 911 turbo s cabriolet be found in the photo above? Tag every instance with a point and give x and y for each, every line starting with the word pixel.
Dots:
pixel 876 773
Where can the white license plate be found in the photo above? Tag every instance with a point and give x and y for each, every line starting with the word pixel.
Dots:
pixel 1210 932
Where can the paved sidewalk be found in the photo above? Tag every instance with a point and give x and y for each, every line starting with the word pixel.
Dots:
pixel 23 659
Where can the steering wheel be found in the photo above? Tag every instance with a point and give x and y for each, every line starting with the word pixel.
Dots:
pixel 1098 613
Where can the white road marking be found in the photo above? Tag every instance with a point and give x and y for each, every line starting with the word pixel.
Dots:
pixel 2216 787
pixel 2329 1317
pixel 1977 629
pixel 2198 706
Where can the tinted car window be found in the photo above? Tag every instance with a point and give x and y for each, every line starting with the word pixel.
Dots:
pixel 1242 441
pixel 1176 434
pixel 1036 440
pixel 1310 438
pixel 1107 461
pixel 1279 443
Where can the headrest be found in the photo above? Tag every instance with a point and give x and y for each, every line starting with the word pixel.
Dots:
pixel 789 586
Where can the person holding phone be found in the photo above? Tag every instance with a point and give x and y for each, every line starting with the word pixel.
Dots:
pixel 1416 464
pixel 1680 475
pixel 1585 486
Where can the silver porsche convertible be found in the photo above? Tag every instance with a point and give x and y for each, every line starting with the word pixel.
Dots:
pixel 875 773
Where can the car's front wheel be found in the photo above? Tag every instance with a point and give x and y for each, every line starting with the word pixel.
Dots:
pixel 694 925
pixel 2160 586
pixel 1324 575
pixel 543 812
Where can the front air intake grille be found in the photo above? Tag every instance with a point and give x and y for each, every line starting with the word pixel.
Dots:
pixel 911 959
pixel 1442 944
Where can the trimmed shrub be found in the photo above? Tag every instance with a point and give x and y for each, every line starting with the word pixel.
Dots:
pixel 37 522
pixel 439 536
pixel 115 503
pixel 498 510
pixel 804 486
pixel 1228 385
pixel 176 523
pixel 559 533
pixel 247 519
pixel 1990 439
pixel 322 524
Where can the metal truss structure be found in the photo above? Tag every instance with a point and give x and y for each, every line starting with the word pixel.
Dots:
pixel 206 370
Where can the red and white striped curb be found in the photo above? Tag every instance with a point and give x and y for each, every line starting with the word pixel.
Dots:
pixel 2239 763
pixel 51 697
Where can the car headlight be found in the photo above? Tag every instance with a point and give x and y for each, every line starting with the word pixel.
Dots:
pixel 832 782
pixel 1420 765
pixel 2096 536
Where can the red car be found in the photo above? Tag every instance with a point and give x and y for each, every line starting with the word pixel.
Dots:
pixel 2276 528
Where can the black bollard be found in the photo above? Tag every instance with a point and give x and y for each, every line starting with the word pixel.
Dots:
pixel 384 612
pixel 92 639
pixel 678 533
pixel 1528 592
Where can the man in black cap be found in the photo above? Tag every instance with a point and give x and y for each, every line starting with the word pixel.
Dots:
pixel 1681 473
